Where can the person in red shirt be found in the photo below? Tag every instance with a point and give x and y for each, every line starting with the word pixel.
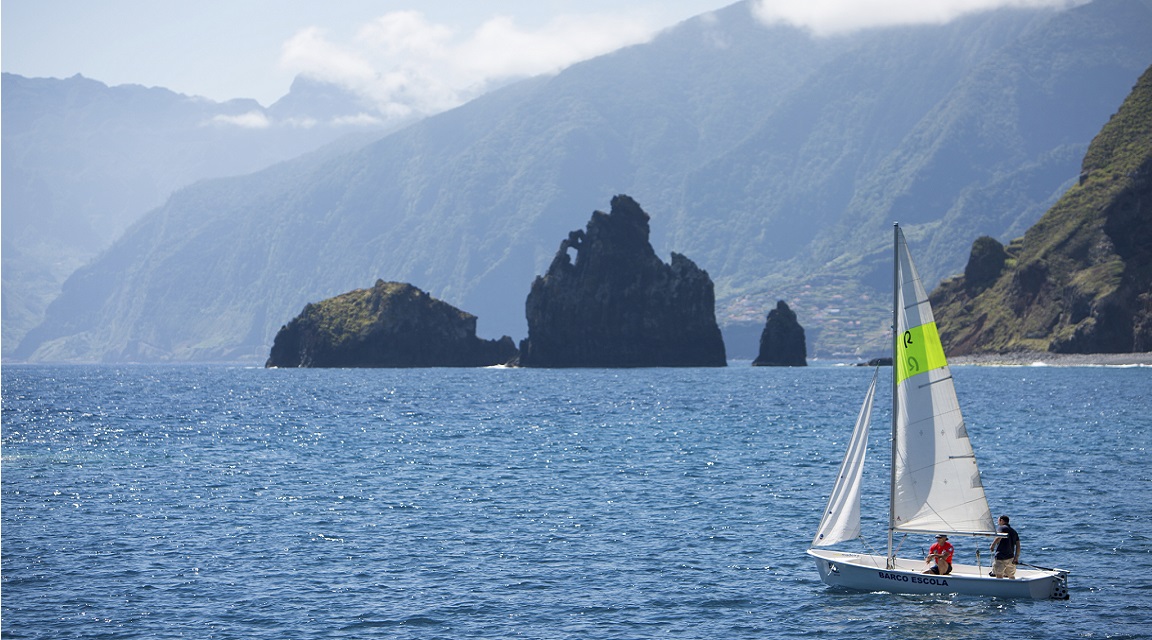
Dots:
pixel 940 556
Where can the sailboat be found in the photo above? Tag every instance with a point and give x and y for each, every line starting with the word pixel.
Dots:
pixel 935 485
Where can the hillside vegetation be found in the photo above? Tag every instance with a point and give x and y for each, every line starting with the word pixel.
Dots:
pixel 1080 280
pixel 392 324
pixel 83 161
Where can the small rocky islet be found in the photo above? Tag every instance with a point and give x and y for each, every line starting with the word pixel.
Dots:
pixel 392 324
pixel 782 343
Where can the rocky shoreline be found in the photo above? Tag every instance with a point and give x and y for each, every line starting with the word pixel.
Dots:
pixel 1032 358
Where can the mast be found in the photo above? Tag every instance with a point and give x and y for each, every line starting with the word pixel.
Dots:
pixel 895 402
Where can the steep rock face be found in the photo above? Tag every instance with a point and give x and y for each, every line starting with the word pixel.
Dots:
pixel 1080 280
pixel 782 343
pixel 985 264
pixel 619 305
pixel 392 324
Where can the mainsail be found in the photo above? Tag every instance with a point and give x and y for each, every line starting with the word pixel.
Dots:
pixel 842 517
pixel 936 484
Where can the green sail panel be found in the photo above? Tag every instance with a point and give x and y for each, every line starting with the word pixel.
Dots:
pixel 919 350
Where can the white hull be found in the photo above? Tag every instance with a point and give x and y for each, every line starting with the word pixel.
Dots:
pixel 868 573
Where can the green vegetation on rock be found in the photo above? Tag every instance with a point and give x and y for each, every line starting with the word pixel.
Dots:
pixel 1080 280
pixel 393 324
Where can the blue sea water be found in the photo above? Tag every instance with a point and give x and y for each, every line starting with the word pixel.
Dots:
pixel 231 502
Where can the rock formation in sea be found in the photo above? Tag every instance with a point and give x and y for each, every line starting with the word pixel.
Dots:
pixel 1080 280
pixel 393 324
pixel 618 304
pixel 782 342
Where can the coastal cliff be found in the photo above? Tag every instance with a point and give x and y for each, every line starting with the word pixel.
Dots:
pixel 1080 280
pixel 618 304
pixel 393 324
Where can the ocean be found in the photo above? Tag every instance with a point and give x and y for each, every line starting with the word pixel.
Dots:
pixel 235 502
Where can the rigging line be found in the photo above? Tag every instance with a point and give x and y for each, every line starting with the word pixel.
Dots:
pixel 932 382
pixel 942 519
pixel 929 418
pixel 900 544
pixel 1037 567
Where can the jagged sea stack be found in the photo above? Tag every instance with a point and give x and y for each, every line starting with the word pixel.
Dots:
pixel 618 304
pixel 782 342
pixel 393 324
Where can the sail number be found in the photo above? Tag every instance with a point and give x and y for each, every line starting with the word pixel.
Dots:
pixel 912 365
pixel 919 350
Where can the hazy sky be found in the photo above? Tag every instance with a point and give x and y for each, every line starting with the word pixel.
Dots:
pixel 432 52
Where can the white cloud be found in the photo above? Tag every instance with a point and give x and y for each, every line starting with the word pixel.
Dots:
pixel 500 49
pixel 299 123
pixel 827 17
pixel 408 65
pixel 405 33
pixel 310 53
pixel 250 120
pixel 358 120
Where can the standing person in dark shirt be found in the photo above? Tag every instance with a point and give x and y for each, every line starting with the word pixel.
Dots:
pixel 1007 551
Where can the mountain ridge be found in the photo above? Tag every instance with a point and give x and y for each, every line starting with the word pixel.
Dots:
pixel 84 160
pixel 466 204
